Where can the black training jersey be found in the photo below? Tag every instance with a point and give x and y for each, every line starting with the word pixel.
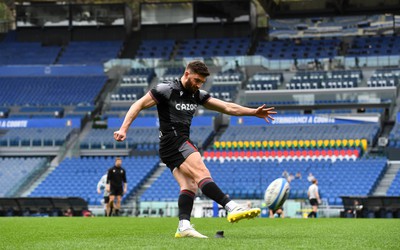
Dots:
pixel 176 106
pixel 116 176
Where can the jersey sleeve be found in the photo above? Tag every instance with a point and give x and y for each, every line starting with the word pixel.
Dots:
pixel 204 96
pixel 161 92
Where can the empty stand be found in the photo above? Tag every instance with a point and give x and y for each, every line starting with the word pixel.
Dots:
pixel 213 47
pixel 93 52
pixel 14 172
pixel 35 137
pixel 79 177
pixel 49 90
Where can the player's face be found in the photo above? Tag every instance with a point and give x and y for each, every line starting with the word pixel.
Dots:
pixel 118 163
pixel 194 82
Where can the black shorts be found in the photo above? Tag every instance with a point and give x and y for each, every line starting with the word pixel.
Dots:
pixel 106 199
pixel 116 191
pixel 313 202
pixel 175 149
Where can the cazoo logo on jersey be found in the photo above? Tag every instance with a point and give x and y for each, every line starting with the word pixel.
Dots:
pixel 184 106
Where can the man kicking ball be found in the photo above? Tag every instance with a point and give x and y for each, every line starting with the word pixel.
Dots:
pixel 177 102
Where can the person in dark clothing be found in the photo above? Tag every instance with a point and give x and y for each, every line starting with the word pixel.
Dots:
pixel 116 185
pixel 177 102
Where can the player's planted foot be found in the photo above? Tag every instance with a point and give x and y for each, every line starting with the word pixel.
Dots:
pixel 240 212
pixel 189 232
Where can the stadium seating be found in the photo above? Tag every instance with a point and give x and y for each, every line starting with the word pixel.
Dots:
pixel 93 52
pixel 79 177
pixel 171 74
pixel 139 138
pixel 394 136
pixel 228 77
pixel 20 53
pixel 15 171
pixel 131 93
pixel 213 47
pixel 155 49
pixel 384 78
pixel 301 132
pixel 50 91
pixel 265 81
pixel 138 77
pixel 394 189
pixel 375 46
pixel 35 137
pixel 298 48
pixel 227 92
pixel 249 179
pixel 325 79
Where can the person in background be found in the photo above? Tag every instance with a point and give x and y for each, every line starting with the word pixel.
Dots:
pixel 101 185
pixel 116 185
pixel 278 213
pixel 313 197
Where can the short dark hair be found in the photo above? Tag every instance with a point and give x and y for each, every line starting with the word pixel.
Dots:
pixel 198 67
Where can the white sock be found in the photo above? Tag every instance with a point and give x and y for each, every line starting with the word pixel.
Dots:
pixel 184 224
pixel 230 206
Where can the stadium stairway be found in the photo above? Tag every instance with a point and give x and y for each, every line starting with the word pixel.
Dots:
pixel 134 198
pixel 387 179
pixel 70 150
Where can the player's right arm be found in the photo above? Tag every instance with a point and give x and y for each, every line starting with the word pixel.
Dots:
pixel 145 102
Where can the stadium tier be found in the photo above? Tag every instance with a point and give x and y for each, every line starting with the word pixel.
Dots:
pixel 394 189
pixel 228 77
pixel 93 52
pixel 213 47
pixel 325 79
pixel 374 46
pixel 298 48
pixel 394 136
pixel 265 81
pixel 35 137
pixel 20 53
pixel 79 177
pixel 138 77
pixel 226 92
pixel 139 138
pixel 248 179
pixel 155 49
pixel 291 144
pixel 384 78
pixel 302 132
pixel 172 73
pixel 14 172
pixel 49 90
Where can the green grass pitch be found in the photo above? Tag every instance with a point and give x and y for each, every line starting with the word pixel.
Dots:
pixel 158 233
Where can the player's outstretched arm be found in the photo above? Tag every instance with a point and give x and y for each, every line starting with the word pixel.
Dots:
pixel 238 110
pixel 143 103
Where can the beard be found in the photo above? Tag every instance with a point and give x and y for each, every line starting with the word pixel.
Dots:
pixel 190 86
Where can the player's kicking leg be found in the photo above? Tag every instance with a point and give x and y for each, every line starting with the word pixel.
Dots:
pixel 195 167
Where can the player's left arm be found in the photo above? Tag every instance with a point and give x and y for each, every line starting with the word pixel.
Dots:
pixel 234 109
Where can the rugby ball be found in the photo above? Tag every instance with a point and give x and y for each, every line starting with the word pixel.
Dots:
pixel 276 194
